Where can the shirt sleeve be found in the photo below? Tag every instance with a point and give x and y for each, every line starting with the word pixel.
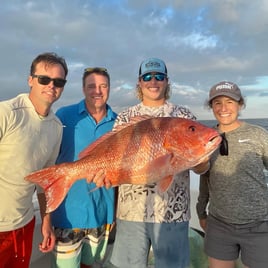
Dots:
pixel 5 119
pixel 264 140
pixel 184 112
pixel 122 118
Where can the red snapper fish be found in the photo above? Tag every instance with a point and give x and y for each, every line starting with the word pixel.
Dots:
pixel 144 151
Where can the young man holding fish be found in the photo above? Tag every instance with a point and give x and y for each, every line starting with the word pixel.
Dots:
pixel 235 186
pixel 146 217
pixel 82 222
pixel 30 136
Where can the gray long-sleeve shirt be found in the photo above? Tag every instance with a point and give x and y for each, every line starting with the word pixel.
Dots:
pixel 235 185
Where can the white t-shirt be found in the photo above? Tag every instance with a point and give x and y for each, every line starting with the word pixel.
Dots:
pixel 27 143
pixel 143 203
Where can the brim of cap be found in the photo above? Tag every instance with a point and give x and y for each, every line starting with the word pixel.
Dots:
pixel 152 71
pixel 227 94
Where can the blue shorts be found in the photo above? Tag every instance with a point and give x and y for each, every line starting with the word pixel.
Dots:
pixel 169 241
pixel 226 242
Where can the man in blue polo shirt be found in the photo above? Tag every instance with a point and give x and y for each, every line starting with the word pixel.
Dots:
pixel 82 222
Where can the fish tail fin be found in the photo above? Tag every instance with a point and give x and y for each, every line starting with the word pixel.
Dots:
pixel 54 182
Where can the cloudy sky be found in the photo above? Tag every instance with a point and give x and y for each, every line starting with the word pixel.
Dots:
pixel 201 41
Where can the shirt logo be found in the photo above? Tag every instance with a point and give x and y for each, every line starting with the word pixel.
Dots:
pixel 152 64
pixel 244 140
pixel 225 86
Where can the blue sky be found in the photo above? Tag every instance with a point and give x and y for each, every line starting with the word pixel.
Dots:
pixel 202 43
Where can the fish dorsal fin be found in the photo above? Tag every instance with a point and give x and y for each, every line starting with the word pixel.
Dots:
pixel 89 148
pixel 132 121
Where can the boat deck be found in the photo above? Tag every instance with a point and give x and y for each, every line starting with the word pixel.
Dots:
pixel 198 258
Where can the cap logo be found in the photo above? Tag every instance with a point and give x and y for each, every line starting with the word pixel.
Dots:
pixel 224 86
pixel 152 64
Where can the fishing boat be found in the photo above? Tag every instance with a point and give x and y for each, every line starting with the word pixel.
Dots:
pixel 198 258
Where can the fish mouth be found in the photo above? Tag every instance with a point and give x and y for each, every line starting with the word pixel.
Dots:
pixel 215 140
pixel 213 143
pixel 211 146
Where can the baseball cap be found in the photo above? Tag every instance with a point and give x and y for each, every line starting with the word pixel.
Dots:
pixel 152 65
pixel 227 89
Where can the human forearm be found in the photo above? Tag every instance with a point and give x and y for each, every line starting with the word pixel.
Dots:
pixel 202 167
pixel 203 197
pixel 48 242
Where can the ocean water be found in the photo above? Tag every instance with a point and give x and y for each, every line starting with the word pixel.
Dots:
pixel 263 122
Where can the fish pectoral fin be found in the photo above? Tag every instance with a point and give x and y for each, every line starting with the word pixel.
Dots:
pixel 162 163
pixel 164 184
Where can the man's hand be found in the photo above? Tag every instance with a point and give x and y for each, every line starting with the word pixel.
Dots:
pixel 49 238
pixel 99 179
pixel 203 167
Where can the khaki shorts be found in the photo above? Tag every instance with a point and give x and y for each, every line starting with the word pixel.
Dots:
pixel 76 246
pixel 228 242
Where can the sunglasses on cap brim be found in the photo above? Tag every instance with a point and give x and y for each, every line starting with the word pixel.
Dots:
pixel 224 145
pixel 95 69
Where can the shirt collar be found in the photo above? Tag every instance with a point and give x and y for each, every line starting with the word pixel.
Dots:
pixel 110 115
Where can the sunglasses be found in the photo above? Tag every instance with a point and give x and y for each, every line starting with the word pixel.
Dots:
pixel 95 69
pixel 149 77
pixel 224 145
pixel 45 80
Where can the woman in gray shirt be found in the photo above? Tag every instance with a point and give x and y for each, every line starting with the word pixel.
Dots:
pixel 234 188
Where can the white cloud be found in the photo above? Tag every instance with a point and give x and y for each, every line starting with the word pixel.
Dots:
pixel 202 42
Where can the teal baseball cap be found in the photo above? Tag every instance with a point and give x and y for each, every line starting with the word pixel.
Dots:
pixel 152 65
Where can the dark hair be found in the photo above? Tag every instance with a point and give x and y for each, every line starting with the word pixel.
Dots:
pixel 241 102
pixel 95 70
pixel 49 58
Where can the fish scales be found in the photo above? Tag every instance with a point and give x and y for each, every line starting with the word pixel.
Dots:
pixel 144 151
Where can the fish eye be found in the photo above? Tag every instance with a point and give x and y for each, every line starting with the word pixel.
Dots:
pixel 192 128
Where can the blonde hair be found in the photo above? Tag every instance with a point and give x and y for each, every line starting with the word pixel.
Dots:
pixel 140 95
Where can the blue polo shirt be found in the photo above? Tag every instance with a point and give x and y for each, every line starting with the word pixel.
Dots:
pixel 83 208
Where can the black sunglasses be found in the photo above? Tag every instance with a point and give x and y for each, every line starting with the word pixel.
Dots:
pixel 45 80
pixel 149 77
pixel 224 145
pixel 95 69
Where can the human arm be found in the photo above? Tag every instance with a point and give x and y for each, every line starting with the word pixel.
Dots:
pixel 100 178
pixel 202 200
pixel 203 167
pixel 47 231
